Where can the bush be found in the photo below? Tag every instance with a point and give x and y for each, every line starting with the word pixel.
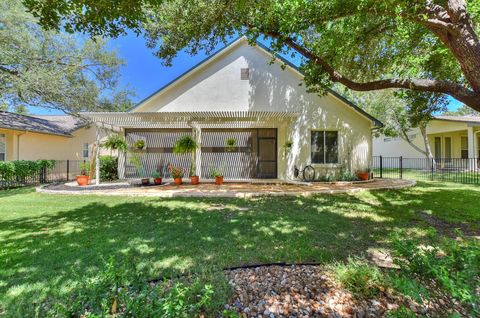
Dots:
pixel 21 170
pixel 452 265
pixel 108 168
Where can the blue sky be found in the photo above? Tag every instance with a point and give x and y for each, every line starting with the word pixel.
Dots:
pixel 144 73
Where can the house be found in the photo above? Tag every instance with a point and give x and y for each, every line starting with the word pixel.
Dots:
pixel 450 138
pixel 237 95
pixel 35 137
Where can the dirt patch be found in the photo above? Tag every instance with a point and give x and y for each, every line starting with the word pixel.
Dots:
pixel 447 229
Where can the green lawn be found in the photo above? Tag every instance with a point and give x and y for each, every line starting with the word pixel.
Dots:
pixel 48 242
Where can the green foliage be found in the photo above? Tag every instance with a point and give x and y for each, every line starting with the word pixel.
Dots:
pixel 186 144
pixel 84 168
pixel 121 290
pixel 116 142
pixel 401 312
pixel 19 170
pixel 462 111
pixel 347 175
pixel 108 168
pixel 176 172
pixel 139 144
pixel 55 70
pixel 136 161
pixel 156 175
pixel 230 144
pixel 216 172
pixel 359 277
pixel 454 265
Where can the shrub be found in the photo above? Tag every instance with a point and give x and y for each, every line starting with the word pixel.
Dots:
pixel 108 168
pixel 453 265
pixel 21 170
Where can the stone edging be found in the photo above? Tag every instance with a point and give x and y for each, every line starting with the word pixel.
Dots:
pixel 220 193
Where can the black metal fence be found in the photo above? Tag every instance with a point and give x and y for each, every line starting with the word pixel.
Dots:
pixel 458 170
pixel 61 171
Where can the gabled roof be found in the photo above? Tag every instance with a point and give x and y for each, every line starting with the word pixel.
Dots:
pixel 62 125
pixel 290 65
pixel 463 119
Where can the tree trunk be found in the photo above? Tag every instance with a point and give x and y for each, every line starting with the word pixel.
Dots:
pixel 428 150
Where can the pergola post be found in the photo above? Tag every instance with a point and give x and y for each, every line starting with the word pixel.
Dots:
pixel 198 152
pixel 97 155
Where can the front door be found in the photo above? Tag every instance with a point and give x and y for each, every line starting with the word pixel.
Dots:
pixel 267 158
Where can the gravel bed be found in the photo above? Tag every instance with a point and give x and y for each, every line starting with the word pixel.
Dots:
pixel 64 187
pixel 297 291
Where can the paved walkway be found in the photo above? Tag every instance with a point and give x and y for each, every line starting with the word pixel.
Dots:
pixel 240 190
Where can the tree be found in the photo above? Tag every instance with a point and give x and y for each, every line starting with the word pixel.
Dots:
pixel 401 112
pixel 54 70
pixel 420 45
pixel 462 111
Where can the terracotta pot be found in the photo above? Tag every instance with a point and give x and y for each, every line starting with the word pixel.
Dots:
pixel 363 175
pixel 178 181
pixel 157 181
pixel 82 180
pixel 219 180
pixel 145 181
pixel 194 180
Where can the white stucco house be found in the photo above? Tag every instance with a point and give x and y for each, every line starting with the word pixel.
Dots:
pixel 235 93
pixel 451 139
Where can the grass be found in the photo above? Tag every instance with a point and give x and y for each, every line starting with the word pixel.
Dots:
pixel 49 244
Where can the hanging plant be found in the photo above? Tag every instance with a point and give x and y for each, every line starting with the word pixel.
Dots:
pixel 139 144
pixel 187 144
pixel 230 144
pixel 115 142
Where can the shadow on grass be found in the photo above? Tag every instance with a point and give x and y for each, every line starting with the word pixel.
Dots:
pixel 43 254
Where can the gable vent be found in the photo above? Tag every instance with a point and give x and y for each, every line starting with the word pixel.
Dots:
pixel 244 74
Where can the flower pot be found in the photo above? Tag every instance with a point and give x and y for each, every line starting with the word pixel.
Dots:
pixel 82 180
pixel 363 175
pixel 157 181
pixel 219 180
pixel 194 180
pixel 145 181
pixel 178 181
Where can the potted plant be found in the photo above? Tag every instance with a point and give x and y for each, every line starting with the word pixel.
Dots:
pixel 137 162
pixel 157 178
pixel 230 144
pixel 363 175
pixel 218 175
pixel 83 178
pixel 187 144
pixel 176 173
pixel 139 144
pixel 116 142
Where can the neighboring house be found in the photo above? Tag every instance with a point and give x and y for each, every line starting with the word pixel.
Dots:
pixel 35 137
pixel 450 137
pixel 236 94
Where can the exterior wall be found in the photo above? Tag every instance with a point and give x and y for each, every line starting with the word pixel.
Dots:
pixel 437 128
pixel 217 86
pixel 32 146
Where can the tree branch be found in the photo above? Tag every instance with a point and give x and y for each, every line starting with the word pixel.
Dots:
pixel 457 91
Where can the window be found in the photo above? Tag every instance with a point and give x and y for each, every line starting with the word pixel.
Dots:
pixel 464 147
pixel 85 150
pixel 324 147
pixel 244 74
pixel 3 147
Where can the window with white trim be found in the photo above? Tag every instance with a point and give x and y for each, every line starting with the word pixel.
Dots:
pixel 324 146
pixel 3 147
pixel 85 150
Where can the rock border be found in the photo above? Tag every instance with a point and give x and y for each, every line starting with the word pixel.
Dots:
pixel 223 193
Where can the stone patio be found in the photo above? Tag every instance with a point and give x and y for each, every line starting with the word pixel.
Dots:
pixel 230 189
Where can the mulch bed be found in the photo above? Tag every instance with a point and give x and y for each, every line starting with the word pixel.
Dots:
pixel 64 187
pixel 448 229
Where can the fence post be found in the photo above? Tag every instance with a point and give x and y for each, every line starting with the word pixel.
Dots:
pixel 381 167
pixel 432 168
pixel 401 167
pixel 68 169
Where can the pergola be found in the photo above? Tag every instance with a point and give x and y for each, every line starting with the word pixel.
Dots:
pixel 119 122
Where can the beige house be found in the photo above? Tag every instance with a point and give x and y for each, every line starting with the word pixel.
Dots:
pixel 236 95
pixel 44 137
pixel 450 138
